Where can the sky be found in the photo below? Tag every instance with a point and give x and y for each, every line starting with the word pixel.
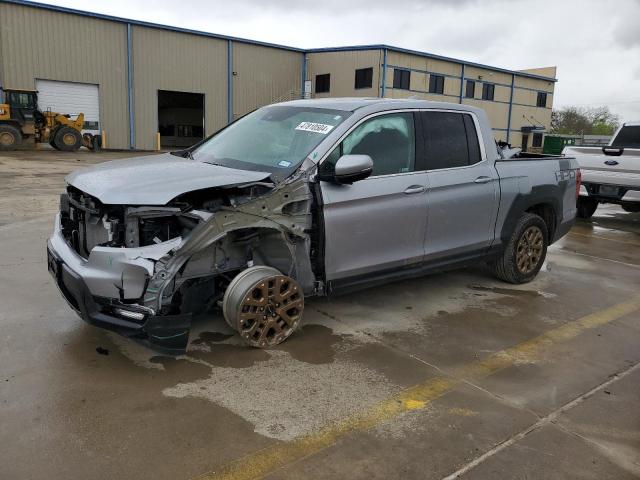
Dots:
pixel 594 43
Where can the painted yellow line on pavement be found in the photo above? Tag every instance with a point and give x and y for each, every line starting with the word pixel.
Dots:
pixel 602 237
pixel 260 463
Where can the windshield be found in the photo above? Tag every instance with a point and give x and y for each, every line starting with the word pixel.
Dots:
pixel 273 139
pixel 627 137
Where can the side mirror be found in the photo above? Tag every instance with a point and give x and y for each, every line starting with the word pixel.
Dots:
pixel 351 168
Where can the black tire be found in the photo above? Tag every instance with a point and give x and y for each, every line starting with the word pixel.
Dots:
pixel 52 136
pixel 586 207
pixel 87 140
pixel 97 143
pixel 67 139
pixel 10 137
pixel 631 207
pixel 525 251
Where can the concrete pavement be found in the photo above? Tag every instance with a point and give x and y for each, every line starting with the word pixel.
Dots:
pixel 455 373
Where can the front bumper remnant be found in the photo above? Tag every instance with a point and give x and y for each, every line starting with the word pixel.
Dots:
pixel 165 333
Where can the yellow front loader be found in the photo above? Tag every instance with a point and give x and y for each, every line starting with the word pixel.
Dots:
pixel 20 121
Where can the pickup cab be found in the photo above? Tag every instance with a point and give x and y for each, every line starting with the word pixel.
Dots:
pixel 303 198
pixel 610 174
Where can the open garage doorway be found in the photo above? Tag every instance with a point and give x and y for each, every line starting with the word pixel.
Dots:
pixel 180 118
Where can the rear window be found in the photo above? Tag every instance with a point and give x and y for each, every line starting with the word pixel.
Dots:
pixel 627 137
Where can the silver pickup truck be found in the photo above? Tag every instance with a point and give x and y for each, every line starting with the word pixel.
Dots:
pixel 610 174
pixel 309 197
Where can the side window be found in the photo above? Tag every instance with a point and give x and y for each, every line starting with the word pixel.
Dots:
pixel 488 90
pixel 473 142
pixel 401 78
pixel 388 139
pixel 436 83
pixel 541 101
pixel 449 140
pixel 471 89
pixel 364 78
pixel 323 83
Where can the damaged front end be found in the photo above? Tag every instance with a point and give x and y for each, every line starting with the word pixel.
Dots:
pixel 144 271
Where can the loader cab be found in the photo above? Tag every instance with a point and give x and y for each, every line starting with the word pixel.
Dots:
pixel 22 104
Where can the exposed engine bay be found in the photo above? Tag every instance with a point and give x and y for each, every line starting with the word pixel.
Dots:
pixel 88 223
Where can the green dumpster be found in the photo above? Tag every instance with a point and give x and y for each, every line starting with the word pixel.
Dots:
pixel 554 144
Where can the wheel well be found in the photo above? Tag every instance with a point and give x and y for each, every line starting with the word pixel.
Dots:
pixel 12 123
pixel 548 214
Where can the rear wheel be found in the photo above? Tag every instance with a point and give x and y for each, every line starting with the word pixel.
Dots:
pixel 67 139
pixel 263 305
pixel 52 138
pixel 586 207
pixel 525 251
pixel 97 143
pixel 10 137
pixel 87 140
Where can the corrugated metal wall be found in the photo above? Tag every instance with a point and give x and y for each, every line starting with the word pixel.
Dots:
pixel 342 66
pixel 36 43
pixel 421 66
pixel 165 60
pixel 264 75
pixel 525 114
pixel 39 43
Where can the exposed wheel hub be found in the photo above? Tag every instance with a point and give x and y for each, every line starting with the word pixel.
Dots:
pixel 529 250
pixel 6 138
pixel 263 305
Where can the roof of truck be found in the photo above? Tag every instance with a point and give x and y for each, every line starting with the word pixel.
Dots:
pixel 351 104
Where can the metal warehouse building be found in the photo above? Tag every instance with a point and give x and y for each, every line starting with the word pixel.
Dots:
pixel 134 79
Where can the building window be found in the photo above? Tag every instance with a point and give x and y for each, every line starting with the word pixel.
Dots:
pixel 487 91
pixel 323 83
pixel 436 83
pixel 471 89
pixel 401 78
pixel 537 140
pixel 542 99
pixel 364 78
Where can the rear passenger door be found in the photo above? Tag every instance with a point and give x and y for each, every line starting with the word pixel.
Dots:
pixel 463 185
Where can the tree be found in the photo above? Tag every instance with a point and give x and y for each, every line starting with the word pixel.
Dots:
pixel 584 121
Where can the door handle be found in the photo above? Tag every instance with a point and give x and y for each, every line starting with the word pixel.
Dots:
pixel 415 189
pixel 482 180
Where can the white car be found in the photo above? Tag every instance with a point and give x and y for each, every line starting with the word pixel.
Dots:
pixel 610 174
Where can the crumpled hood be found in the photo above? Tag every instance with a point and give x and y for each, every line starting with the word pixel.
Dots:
pixel 154 179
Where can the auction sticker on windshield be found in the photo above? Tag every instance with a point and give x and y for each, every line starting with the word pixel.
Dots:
pixel 315 127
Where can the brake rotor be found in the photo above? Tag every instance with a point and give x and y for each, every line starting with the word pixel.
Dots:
pixel 7 139
pixel 263 305
pixel 69 139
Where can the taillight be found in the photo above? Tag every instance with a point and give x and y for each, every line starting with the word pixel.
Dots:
pixel 578 182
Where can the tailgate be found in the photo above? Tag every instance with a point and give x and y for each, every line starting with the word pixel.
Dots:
pixel 618 169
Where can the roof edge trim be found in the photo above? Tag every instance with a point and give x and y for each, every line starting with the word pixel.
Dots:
pixel 159 26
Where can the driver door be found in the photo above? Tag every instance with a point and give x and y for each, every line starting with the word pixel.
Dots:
pixel 378 223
